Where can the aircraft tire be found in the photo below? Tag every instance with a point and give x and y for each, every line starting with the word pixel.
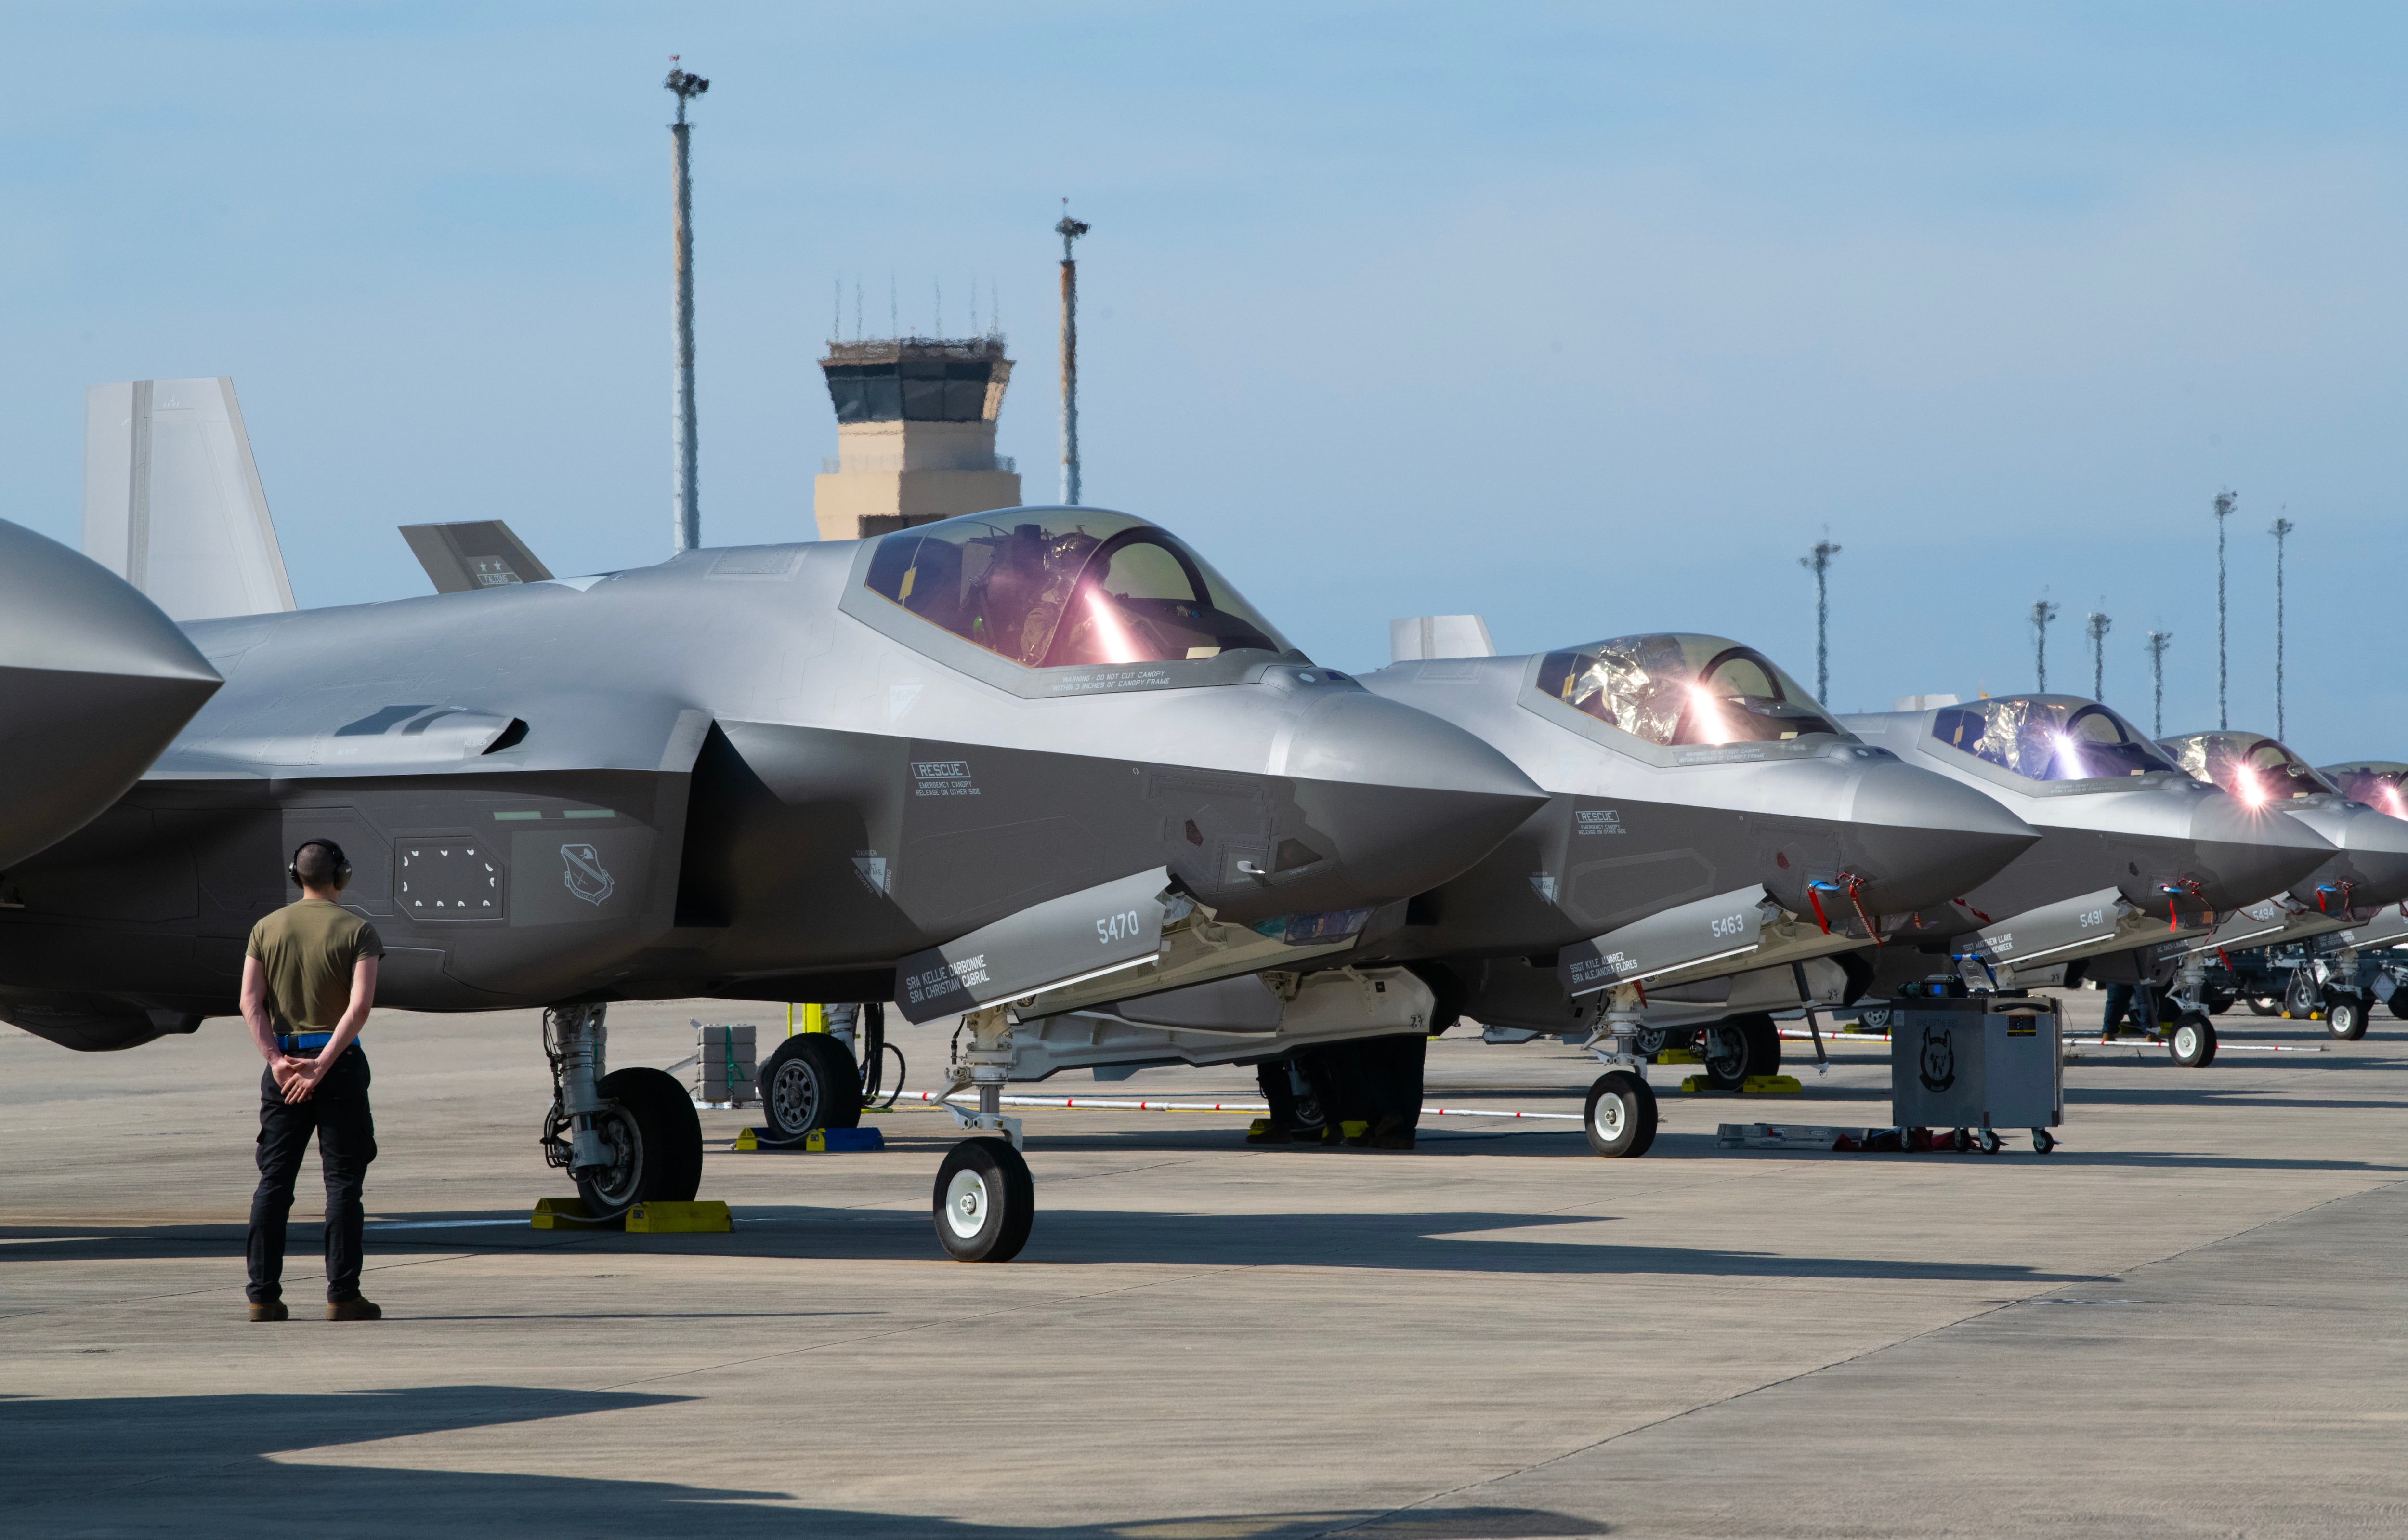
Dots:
pixel 2265 1005
pixel 984 1201
pixel 809 1083
pixel 2193 1041
pixel 2220 1000
pixel 2399 1002
pixel 1739 1046
pixel 1620 1117
pixel 652 1126
pixel 2345 1016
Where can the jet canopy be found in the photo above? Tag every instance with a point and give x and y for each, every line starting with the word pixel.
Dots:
pixel 1677 688
pixel 2249 765
pixel 1054 587
pixel 2380 784
pixel 2048 738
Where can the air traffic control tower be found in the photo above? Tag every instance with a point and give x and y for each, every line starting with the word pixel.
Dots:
pixel 914 433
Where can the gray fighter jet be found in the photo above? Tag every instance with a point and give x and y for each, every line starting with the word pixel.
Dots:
pixel 1004 765
pixel 2366 876
pixel 95 682
pixel 2134 853
pixel 1705 819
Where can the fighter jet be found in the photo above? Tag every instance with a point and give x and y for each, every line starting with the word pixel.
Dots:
pixel 95 682
pixel 1705 819
pixel 2134 853
pixel 1000 766
pixel 2366 876
pixel 2327 981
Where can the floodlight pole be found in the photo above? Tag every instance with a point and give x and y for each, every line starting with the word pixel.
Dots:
pixel 2042 611
pixel 687 509
pixel 2099 625
pixel 2281 529
pixel 2224 505
pixel 1818 562
pixel 1069 230
pixel 2157 640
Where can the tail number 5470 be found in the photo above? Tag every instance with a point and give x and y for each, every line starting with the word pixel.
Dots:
pixel 1122 927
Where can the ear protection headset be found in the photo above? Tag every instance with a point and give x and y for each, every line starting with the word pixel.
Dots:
pixel 342 863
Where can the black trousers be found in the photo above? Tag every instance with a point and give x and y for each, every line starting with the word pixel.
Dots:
pixel 338 1113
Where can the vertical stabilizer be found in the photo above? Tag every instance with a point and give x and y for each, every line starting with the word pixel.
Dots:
pixel 1439 636
pixel 172 501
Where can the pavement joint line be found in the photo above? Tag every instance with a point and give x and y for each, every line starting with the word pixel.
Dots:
pixel 1808 1373
pixel 1055 1302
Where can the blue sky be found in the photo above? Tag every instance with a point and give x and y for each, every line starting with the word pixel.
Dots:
pixel 1586 318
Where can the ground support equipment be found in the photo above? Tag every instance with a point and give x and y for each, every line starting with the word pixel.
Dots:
pixel 1973 1064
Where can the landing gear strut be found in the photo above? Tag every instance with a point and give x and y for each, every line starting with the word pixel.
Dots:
pixel 625 1138
pixel 1620 1117
pixel 985 1199
pixel 2192 1036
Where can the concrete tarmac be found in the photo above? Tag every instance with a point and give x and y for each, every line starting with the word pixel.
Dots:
pixel 2187 1321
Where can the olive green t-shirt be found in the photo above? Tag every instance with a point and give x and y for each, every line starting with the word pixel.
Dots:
pixel 308 950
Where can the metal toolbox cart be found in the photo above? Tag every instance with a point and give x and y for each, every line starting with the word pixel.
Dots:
pixel 1977 1064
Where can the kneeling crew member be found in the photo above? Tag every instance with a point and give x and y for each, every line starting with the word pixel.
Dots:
pixel 307 982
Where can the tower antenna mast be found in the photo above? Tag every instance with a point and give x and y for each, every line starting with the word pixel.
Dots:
pixel 2157 640
pixel 2281 529
pixel 2098 628
pixel 2224 505
pixel 687 512
pixel 1069 230
pixel 2042 611
pixel 1818 561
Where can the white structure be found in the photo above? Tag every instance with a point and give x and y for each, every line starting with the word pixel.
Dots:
pixel 1439 636
pixel 172 501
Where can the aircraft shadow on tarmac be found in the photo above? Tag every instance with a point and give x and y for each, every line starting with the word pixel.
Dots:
pixel 1471 1242
pixel 204 1465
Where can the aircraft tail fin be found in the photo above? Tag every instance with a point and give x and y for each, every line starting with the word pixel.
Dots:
pixel 1439 636
pixel 481 554
pixel 172 500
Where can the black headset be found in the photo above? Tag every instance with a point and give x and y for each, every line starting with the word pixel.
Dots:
pixel 342 863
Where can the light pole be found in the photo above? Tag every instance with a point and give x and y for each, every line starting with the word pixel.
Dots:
pixel 2157 640
pixel 2042 611
pixel 2281 529
pixel 2098 628
pixel 1818 562
pixel 688 510
pixel 2224 504
pixel 1069 230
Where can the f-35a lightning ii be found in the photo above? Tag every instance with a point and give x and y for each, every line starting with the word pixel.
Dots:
pixel 2134 853
pixel 1004 765
pixel 95 682
pixel 2366 876
pixel 1705 819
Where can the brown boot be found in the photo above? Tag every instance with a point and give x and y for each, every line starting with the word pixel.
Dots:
pixel 354 1309
pixel 276 1311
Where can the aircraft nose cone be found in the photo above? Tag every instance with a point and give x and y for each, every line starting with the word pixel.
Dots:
pixel 95 682
pixel 1924 839
pixel 2242 853
pixel 1406 799
pixel 2373 856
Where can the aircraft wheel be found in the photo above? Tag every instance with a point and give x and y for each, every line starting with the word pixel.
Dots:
pixel 2299 995
pixel 1621 1115
pixel 984 1201
pixel 2345 1016
pixel 2263 1006
pixel 809 1083
pixel 2399 1002
pixel 2193 1041
pixel 1739 1047
pixel 1874 1018
pixel 2220 1000
pixel 656 1141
